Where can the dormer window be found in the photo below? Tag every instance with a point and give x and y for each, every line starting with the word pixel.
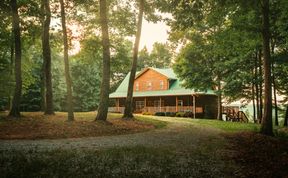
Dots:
pixel 137 86
pixel 149 85
pixel 161 84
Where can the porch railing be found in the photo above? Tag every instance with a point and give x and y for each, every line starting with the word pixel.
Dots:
pixel 160 109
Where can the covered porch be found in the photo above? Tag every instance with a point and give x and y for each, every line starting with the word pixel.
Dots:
pixel 199 105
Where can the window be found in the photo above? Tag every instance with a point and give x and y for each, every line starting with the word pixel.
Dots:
pixel 140 105
pixel 158 104
pixel 149 85
pixel 180 103
pixel 137 86
pixel 161 84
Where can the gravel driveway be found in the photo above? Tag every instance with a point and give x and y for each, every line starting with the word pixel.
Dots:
pixel 178 133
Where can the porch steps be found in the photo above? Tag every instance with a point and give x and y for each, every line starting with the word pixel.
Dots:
pixel 234 115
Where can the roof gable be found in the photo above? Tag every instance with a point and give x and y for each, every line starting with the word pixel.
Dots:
pixel 168 73
pixel 175 88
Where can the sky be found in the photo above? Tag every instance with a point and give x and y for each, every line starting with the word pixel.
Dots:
pixel 152 33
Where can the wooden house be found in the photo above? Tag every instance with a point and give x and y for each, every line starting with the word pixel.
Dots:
pixel 159 90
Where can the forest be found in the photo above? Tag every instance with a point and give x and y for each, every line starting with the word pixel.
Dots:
pixel 69 55
pixel 60 60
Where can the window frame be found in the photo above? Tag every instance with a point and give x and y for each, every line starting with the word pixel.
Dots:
pixel 161 84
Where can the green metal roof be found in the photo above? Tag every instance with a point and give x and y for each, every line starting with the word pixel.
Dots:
pixel 175 87
pixel 169 73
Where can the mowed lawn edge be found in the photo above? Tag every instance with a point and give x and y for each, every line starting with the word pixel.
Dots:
pixel 35 125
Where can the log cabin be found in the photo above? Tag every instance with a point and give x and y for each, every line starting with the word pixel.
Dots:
pixel 159 90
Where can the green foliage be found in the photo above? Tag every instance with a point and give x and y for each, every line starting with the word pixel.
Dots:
pixel 86 82
pixel 160 56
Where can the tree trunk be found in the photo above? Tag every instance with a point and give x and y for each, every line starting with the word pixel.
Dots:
pixel 256 77
pixel 105 84
pixel 253 92
pixel 266 126
pixel 219 97
pixel 286 117
pixel 15 110
pixel 47 57
pixel 129 100
pixel 260 88
pixel 42 89
pixel 70 106
pixel 42 77
pixel 274 88
pixel 9 106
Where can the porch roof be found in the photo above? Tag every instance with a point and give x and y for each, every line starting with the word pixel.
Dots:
pixel 159 93
pixel 175 88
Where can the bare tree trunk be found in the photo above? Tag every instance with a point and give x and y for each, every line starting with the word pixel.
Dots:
pixel 105 84
pixel 256 77
pixel 260 88
pixel 274 88
pixel 42 89
pixel 15 110
pixel 286 117
pixel 219 97
pixel 42 77
pixel 275 99
pixel 129 100
pixel 9 106
pixel 47 57
pixel 253 96
pixel 66 62
pixel 266 126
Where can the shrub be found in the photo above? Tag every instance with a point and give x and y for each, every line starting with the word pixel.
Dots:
pixel 159 114
pixel 147 113
pixel 170 114
pixel 180 114
pixel 188 114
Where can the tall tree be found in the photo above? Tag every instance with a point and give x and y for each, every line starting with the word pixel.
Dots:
pixel 266 126
pixel 129 100
pixel 161 56
pixel 46 50
pixel 15 110
pixel 105 84
pixel 70 106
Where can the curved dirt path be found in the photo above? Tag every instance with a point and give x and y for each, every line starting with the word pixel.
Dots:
pixel 178 133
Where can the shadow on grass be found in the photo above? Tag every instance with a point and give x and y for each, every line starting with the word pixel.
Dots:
pixel 136 161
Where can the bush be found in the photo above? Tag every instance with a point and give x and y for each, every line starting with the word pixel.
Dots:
pixel 170 114
pixel 188 114
pixel 147 113
pixel 159 114
pixel 180 114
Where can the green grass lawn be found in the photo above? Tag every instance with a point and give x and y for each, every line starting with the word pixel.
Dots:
pixel 228 126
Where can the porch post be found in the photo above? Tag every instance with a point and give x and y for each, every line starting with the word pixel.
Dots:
pixel 176 104
pixel 194 106
pixel 145 104
pixel 160 103
pixel 117 104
